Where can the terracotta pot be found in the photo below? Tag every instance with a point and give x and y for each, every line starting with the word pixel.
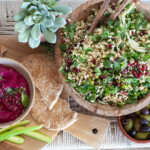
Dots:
pixel 43 38
pixel 128 136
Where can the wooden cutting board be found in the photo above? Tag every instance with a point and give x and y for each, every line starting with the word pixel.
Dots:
pixel 89 129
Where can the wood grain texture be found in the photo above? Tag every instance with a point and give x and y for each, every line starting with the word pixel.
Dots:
pixel 79 14
pixel 16 51
pixel 83 128
pixel 99 15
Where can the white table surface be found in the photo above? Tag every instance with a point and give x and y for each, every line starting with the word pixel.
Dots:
pixel 64 141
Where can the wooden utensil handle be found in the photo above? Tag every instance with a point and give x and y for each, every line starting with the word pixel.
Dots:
pixel 99 16
pixel 90 129
pixel 118 11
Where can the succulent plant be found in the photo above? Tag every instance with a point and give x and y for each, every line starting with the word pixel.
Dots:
pixel 38 16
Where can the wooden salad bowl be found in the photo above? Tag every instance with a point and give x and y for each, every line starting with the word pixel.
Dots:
pixel 79 14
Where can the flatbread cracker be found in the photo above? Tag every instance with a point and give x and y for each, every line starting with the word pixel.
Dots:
pixel 2 50
pixel 58 118
pixel 43 70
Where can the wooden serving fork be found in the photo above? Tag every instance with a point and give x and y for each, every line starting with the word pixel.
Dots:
pixel 119 10
pixel 99 15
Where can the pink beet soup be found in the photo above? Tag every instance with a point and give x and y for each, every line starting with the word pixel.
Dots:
pixel 14 94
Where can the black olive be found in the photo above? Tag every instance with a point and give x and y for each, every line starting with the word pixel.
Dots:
pixel 145 128
pixel 132 132
pixel 145 111
pixel 143 121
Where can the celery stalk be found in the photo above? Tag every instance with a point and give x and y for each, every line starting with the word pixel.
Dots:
pixel 9 134
pixel 16 125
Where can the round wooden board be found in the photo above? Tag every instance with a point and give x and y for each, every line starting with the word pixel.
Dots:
pixel 79 14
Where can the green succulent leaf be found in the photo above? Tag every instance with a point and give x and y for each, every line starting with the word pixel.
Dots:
pixel 64 9
pixel 49 36
pixel 36 32
pixel 37 17
pixel 53 29
pixel 21 26
pixel 23 37
pixel 18 17
pixel 59 22
pixel 56 13
pixel 28 20
pixel 34 43
pixel 32 9
pixel 52 16
pixel 42 7
pixel 48 22
pixel 44 13
pixel 25 5
pixel 24 12
pixel 54 4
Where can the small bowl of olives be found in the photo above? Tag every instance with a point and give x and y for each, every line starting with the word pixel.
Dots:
pixel 136 126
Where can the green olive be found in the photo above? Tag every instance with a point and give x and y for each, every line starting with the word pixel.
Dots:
pixel 147 117
pixel 137 125
pixel 129 125
pixel 138 113
pixel 148 106
pixel 141 135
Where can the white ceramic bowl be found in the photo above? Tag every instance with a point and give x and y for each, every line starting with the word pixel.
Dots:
pixel 23 71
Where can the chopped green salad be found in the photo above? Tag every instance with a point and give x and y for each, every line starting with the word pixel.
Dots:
pixel 110 66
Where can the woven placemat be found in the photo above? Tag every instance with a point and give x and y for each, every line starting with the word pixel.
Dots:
pixel 64 141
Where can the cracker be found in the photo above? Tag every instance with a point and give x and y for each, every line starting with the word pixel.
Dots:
pixel 43 70
pixel 58 118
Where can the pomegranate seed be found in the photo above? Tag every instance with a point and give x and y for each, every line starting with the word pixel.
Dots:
pixel 119 84
pixel 70 62
pixel 137 60
pixel 143 69
pixel 132 32
pixel 103 76
pixel 94 61
pixel 138 66
pixel 125 93
pixel 140 75
pixel 110 45
pixel 75 44
pixel 135 63
pixel 113 6
pixel 134 74
pixel 114 82
pixel 147 73
pixel 76 70
pixel 96 83
pixel 132 65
